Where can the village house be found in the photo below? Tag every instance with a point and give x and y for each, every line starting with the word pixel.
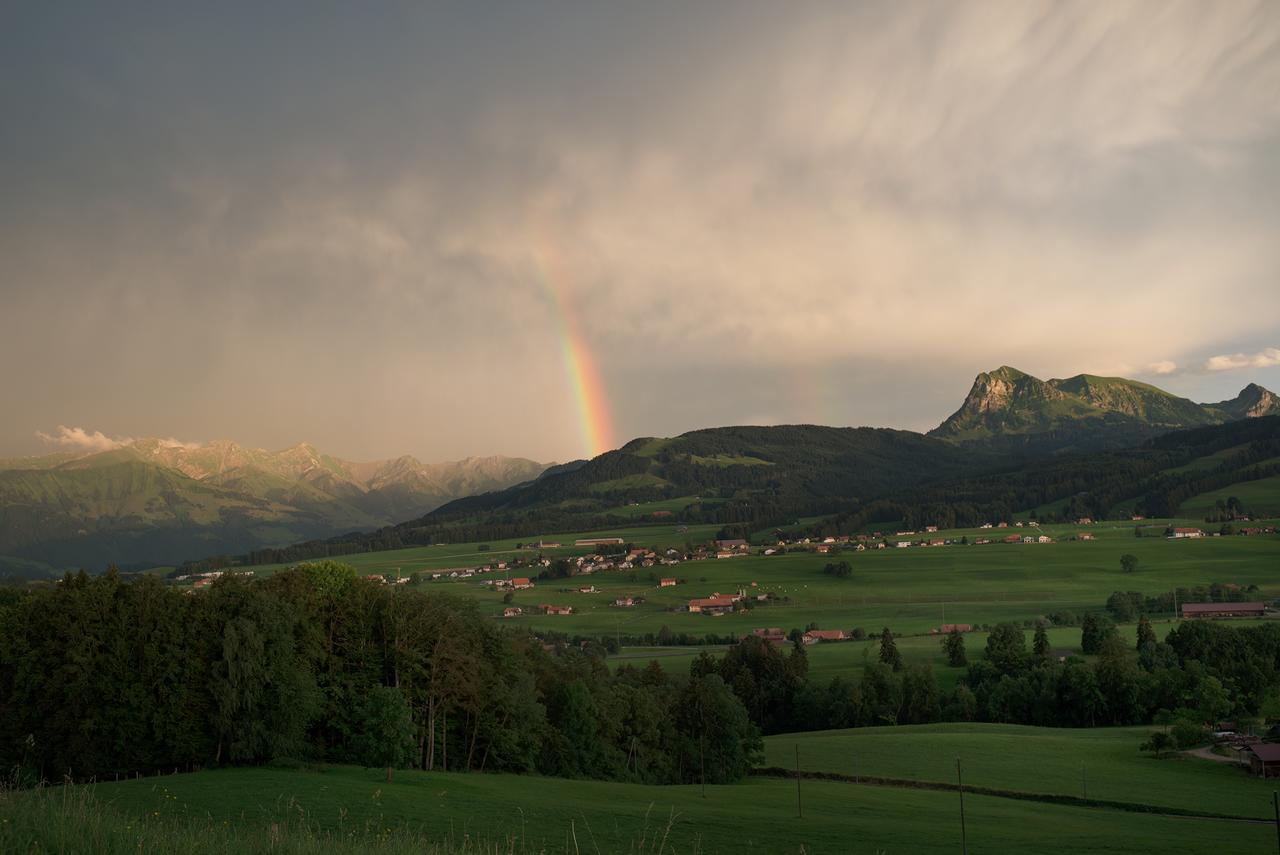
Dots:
pixel 588 589
pixel 511 611
pixel 714 605
pixel 1179 533
pixel 1084 536
pixel 598 541
pixel 1221 610
pixel 625 602
pixel 1084 521
pixel 545 544
pixel 556 610
pixel 1044 538
pixel 929 529
pixel 903 544
pixel 1264 760
pixel 948 628
pixel 773 634
pixel 521 582
pixel 1013 538
pixel 814 636
pixel 668 583
pixel 732 543
pixel 729 553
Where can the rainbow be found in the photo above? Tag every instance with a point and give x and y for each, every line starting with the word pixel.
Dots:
pixel 579 365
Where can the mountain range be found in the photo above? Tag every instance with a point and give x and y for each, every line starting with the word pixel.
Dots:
pixel 152 501
pixel 157 502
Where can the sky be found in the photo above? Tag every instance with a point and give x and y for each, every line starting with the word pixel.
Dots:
pixel 542 229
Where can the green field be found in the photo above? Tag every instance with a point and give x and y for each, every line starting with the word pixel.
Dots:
pixel 1098 763
pixel 235 810
pixel 1259 497
pixel 909 590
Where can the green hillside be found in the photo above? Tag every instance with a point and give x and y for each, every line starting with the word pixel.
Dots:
pixel 346 809
pixel 1098 763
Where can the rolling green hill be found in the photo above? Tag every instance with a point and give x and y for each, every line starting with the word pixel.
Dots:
pixel 1010 409
pixel 347 809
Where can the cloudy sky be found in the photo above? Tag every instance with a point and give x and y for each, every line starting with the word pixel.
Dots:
pixel 374 226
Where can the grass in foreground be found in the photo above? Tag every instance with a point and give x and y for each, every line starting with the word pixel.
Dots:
pixel 345 809
pixel 1098 763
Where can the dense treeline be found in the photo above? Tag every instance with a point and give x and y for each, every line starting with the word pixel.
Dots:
pixel 100 677
pixel 1202 673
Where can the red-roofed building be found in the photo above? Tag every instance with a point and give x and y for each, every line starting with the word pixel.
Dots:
pixel 814 636
pixel 1264 760
pixel 1219 610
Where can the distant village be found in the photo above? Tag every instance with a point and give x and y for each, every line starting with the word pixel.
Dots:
pixel 500 574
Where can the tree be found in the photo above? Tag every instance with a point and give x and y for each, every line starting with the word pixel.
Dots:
pixel 839 569
pixel 1128 562
pixel 953 646
pixel 1146 635
pixel 1040 645
pixel 889 654
pixel 1158 744
pixel 1187 732
pixel 385 736
pixel 1007 648
pixel 1093 629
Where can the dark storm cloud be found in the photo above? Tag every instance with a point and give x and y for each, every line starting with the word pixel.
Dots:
pixel 324 222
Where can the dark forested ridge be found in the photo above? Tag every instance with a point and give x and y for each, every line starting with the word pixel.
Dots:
pixel 1142 481
pixel 763 477
pixel 746 475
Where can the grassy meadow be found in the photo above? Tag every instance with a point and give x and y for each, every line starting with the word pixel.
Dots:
pixel 350 809
pixel 1097 763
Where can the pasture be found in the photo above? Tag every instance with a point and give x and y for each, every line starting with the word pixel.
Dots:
pixel 352 809
pixel 1098 763
pixel 909 590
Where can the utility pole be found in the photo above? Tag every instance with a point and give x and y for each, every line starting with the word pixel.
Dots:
pixel 799 806
pixel 964 840
pixel 1275 802
pixel 702 760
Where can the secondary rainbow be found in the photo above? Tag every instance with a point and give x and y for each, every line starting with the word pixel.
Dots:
pixel 579 363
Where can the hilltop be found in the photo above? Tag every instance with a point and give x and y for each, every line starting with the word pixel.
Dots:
pixel 152 501
pixel 1010 409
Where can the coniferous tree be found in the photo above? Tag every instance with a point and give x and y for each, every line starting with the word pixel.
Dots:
pixel 889 654
pixel 953 646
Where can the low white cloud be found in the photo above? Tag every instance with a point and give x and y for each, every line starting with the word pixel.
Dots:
pixel 1164 366
pixel 79 439
pixel 1265 358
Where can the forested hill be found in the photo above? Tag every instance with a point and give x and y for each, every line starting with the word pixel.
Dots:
pixel 731 475
pixel 1152 480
